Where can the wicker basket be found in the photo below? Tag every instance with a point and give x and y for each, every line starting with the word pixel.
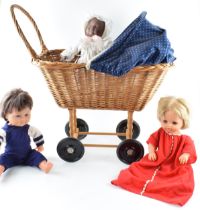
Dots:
pixel 74 86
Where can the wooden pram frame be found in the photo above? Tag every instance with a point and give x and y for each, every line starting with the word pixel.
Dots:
pixel 74 131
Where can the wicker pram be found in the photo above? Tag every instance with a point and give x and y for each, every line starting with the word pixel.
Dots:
pixel 73 87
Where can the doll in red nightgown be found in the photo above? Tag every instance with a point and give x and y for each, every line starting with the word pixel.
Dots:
pixel 165 173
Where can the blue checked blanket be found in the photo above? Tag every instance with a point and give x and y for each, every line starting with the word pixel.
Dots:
pixel 141 43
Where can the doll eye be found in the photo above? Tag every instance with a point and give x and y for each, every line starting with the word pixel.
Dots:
pixel 164 121
pixel 174 123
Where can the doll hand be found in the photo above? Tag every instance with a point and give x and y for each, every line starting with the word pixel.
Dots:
pixel 152 156
pixel 40 148
pixel 184 158
pixel 68 54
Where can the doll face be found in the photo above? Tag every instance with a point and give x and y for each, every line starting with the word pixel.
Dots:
pixel 171 122
pixel 19 118
pixel 95 27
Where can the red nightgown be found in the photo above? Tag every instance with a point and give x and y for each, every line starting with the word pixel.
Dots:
pixel 164 179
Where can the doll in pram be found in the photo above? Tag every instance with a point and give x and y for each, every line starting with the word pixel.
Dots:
pixel 96 39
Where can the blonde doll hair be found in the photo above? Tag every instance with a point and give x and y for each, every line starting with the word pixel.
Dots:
pixel 177 105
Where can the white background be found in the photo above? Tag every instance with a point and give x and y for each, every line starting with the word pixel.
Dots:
pixel 86 184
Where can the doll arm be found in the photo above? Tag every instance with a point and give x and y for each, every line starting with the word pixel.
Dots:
pixel 152 154
pixel 2 136
pixel 107 42
pixel 40 148
pixel 183 159
pixel 69 54
pixel 37 136
pixel 153 145
pixel 188 155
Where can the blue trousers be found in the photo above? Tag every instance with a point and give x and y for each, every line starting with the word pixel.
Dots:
pixel 33 158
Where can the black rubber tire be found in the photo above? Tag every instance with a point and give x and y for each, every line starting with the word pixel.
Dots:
pixel 122 126
pixel 70 149
pixel 129 151
pixel 81 125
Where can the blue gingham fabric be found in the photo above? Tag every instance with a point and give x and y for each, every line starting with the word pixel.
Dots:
pixel 141 43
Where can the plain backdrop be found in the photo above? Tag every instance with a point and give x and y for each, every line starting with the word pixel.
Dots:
pixel 85 184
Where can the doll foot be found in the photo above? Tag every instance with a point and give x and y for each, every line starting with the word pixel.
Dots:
pixel 2 168
pixel 45 166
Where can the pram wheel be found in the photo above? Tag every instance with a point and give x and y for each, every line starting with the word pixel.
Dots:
pixel 122 126
pixel 70 149
pixel 82 126
pixel 129 151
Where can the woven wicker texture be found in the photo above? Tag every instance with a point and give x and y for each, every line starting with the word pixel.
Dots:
pixel 72 86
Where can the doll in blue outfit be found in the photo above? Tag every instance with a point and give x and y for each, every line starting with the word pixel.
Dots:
pixel 17 134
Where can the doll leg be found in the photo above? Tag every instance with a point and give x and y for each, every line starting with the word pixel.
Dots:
pixel 2 168
pixel 45 166
pixel 36 158
pixel 7 161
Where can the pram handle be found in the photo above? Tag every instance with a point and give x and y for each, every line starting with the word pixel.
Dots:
pixel 29 47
